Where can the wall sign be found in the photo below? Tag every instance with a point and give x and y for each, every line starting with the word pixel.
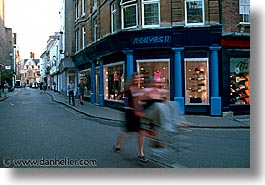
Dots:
pixel 151 40
pixel 239 65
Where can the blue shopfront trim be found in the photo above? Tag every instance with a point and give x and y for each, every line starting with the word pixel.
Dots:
pixel 171 43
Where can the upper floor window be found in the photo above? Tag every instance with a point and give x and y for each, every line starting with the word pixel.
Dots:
pixel 77 40
pixel 95 25
pixel 113 18
pixel 83 37
pixel 151 13
pixel 83 7
pixel 129 13
pixel 244 10
pixel 77 10
pixel 194 12
pixel 95 4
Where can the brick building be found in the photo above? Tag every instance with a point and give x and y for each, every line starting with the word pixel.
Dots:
pixel 182 41
pixel 6 48
pixel 235 43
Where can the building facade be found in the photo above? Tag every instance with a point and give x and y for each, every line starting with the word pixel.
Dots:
pixel 30 71
pixel 67 69
pixel 177 41
pixel 235 43
pixel 7 56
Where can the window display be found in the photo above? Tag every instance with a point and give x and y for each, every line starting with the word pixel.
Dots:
pixel 239 81
pixel 86 76
pixel 114 82
pixel 197 81
pixel 155 70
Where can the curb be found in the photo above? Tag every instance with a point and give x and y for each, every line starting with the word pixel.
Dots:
pixel 80 111
pixel 219 127
pixel 109 119
pixel 3 99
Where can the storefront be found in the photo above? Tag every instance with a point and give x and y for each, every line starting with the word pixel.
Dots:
pixel 236 73
pixel 185 59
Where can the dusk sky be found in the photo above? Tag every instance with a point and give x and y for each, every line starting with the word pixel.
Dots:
pixel 33 21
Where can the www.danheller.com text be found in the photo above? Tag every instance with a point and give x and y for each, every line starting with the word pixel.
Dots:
pixel 55 162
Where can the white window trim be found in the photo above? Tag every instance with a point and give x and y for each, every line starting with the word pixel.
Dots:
pixel 122 3
pixel 95 31
pixel 77 40
pixel 145 2
pixel 122 16
pixel 186 14
pixel 83 8
pixel 83 37
pixel 77 10
pixel 208 81
pixel 242 22
pixel 95 5
pixel 113 12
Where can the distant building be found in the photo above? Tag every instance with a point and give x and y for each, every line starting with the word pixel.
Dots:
pixel 30 71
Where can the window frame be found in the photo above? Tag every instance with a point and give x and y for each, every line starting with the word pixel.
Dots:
pixel 95 25
pixel 167 72
pixel 77 39
pixel 106 80
pixel 127 5
pixel 83 9
pixel 83 37
pixel 148 2
pixel 190 60
pixel 242 19
pixel 113 20
pixel 77 10
pixel 186 13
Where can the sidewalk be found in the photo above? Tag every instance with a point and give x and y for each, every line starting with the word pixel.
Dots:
pixel 195 121
pixel 2 98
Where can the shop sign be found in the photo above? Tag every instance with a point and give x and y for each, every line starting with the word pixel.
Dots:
pixel 239 65
pixel 151 40
pixel 7 67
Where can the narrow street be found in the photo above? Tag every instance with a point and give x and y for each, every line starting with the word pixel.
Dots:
pixel 34 127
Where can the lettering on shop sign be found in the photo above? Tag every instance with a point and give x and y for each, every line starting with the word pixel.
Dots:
pixel 242 67
pixel 151 40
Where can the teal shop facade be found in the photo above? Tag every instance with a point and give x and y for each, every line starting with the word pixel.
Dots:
pixel 186 58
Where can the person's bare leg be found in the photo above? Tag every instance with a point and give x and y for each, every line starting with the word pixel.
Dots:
pixel 141 134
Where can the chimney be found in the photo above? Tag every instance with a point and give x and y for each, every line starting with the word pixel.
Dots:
pixel 32 55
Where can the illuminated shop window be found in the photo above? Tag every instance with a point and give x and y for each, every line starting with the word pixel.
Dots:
pixel 197 83
pixel 155 70
pixel 114 82
pixel 86 76
pixel 239 81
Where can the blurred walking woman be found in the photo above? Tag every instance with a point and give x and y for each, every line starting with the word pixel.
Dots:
pixel 133 114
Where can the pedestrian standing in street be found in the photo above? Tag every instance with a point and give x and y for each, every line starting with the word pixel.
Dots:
pixel 44 86
pixel 133 114
pixel 81 88
pixel 6 85
pixel 71 89
pixel 41 84
pixel 1 88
